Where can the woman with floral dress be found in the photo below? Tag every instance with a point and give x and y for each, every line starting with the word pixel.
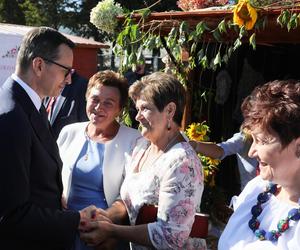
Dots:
pixel 163 170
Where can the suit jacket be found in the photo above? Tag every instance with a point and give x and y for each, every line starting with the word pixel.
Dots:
pixel 72 139
pixel 30 181
pixel 70 107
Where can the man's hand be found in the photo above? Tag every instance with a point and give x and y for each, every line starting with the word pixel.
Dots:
pixel 97 232
pixel 89 214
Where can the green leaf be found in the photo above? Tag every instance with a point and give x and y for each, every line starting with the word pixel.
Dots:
pixel 158 43
pixel 199 29
pixel 237 44
pixel 286 17
pixel 127 119
pixel 133 32
pixel 279 20
pixel 119 39
pixel 294 21
pixel 212 66
pixel 229 51
pixel 125 61
pixel 172 36
pixel 193 36
pixel 183 28
pixel 242 32
pixel 117 50
pixel 252 41
pixel 192 63
pixel 150 42
pixel 145 13
pixel 193 47
pixel 182 39
pixel 173 32
pixel 176 50
pixel 217 60
pixel 222 27
pixel 132 59
pixel 289 24
pixel 204 95
pixel 204 62
pixel 217 35
pixel 225 58
pixel 200 55
pixel 140 57
pixel 261 23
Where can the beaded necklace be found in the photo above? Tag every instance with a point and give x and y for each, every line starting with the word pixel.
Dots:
pixel 282 225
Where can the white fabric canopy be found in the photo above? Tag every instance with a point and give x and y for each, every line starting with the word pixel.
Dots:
pixel 9 48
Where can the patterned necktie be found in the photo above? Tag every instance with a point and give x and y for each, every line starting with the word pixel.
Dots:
pixel 50 106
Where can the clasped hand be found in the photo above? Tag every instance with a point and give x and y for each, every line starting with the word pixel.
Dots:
pixel 95 226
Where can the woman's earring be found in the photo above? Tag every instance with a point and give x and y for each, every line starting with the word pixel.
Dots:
pixel 169 125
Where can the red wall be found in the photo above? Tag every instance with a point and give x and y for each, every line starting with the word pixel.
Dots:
pixel 85 61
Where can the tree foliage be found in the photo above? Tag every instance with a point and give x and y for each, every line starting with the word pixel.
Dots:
pixel 71 14
pixel 11 12
pixel 42 12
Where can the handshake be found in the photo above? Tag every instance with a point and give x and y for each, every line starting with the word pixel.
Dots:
pixel 96 228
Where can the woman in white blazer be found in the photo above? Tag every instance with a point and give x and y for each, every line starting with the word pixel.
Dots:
pixel 94 152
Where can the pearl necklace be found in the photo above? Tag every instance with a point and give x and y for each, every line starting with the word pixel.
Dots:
pixel 283 224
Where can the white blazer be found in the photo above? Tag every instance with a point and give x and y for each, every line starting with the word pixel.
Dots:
pixel 70 142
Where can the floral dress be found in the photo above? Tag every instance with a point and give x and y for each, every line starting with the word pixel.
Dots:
pixel 174 182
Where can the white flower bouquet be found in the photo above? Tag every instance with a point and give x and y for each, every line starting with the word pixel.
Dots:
pixel 103 16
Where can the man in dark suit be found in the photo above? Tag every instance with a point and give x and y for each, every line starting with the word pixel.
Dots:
pixel 31 215
pixel 70 106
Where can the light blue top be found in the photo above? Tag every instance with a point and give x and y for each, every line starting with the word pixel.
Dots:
pixel 87 178
pixel 240 146
pixel 87 183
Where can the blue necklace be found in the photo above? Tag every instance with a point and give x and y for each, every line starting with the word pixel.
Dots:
pixel 282 226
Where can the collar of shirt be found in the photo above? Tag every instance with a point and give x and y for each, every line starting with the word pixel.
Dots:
pixel 30 92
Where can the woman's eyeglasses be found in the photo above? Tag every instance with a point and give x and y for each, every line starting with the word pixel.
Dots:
pixel 68 70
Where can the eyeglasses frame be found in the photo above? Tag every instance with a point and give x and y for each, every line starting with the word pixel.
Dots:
pixel 69 70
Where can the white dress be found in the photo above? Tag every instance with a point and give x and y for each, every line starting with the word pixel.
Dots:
pixel 175 183
pixel 237 234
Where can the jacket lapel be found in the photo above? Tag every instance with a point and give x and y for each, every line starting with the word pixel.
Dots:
pixel 37 123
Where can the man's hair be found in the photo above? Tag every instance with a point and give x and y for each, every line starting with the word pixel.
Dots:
pixel 41 41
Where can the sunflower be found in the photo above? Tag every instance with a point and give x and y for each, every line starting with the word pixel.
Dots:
pixel 213 162
pixel 244 14
pixel 197 132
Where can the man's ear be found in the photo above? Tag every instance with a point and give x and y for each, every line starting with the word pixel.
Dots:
pixel 37 65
